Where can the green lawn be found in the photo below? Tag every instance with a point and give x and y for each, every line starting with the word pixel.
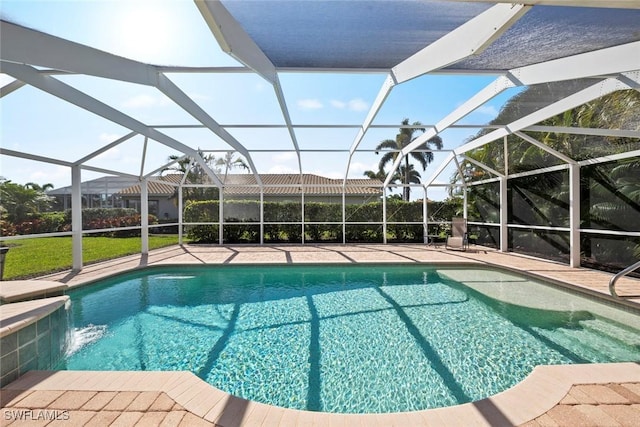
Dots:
pixel 40 256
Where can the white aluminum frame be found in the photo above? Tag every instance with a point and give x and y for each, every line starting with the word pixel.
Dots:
pixel 612 69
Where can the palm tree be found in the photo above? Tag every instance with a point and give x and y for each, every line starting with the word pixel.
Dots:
pixel 404 138
pixel 195 174
pixel 398 177
pixel 407 175
pixel 380 175
pixel 42 188
pixel 21 202
pixel 229 163
pixel 181 165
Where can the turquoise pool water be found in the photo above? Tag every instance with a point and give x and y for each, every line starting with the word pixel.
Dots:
pixel 349 339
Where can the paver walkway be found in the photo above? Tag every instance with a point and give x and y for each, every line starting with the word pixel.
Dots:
pixel 595 405
pixel 584 405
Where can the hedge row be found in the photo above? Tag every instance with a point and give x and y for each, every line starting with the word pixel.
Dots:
pixel 240 218
pixel 92 219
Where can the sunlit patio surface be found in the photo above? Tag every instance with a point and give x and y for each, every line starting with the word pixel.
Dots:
pixel 573 395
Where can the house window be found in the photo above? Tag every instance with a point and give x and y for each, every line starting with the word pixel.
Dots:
pixel 154 207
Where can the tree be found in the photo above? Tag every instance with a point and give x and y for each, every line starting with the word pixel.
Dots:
pixel 230 163
pixel 398 176
pixel 380 175
pixel 182 164
pixel 21 202
pixel 609 192
pixel 42 188
pixel 404 137
pixel 196 174
pixel 407 174
pixel 43 201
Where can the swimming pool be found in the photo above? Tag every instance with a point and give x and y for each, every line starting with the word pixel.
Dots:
pixel 350 339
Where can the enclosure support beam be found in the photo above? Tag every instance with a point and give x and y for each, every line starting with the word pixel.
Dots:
pixel 464 188
pixel 465 202
pixel 76 217
pixel 425 217
pixel 451 48
pixel 63 91
pixel 180 218
pixel 261 215
pixel 388 84
pixel 574 215
pixel 590 93
pixel 617 59
pixel 25 46
pixel 221 217
pixel 344 216
pixel 144 217
pixel 504 200
pixel 384 219
pixel 471 38
pixel 234 40
pixel 302 213
pixel 504 217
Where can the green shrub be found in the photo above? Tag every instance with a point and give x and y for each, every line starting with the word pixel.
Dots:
pixel 202 233
pixel 91 217
pixel 240 216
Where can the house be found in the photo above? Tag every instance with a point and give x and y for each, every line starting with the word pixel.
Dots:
pixel 102 192
pixel 276 188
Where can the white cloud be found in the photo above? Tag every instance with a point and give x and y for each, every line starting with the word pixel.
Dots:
pixel 282 169
pixel 330 174
pixel 488 110
pixel 146 101
pixel 283 157
pixel 357 168
pixel 115 156
pixel 310 104
pixel 56 175
pixel 199 97
pixel 111 155
pixel 285 162
pixel 358 105
pixel 108 137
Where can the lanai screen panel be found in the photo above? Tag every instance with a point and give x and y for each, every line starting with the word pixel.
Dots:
pixel 536 97
pixel 550 32
pixel 347 34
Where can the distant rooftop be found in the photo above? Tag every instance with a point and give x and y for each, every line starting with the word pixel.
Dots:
pixel 280 184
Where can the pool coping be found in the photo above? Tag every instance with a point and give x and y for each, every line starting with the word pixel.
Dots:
pixel 18 315
pixel 23 290
pixel 537 393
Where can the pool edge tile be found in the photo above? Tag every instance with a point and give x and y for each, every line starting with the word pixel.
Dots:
pixel 256 414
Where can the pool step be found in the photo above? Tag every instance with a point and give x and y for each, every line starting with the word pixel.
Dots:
pixel 613 331
pixel 576 342
pixel 613 343
pixel 596 340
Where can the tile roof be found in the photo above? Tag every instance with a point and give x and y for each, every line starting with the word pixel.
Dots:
pixel 273 184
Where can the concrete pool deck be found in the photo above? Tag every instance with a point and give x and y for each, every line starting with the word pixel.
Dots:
pixel 596 394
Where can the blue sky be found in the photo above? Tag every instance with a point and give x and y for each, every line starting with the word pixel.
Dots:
pixel 174 33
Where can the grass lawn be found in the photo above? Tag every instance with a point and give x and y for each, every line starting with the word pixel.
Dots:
pixel 36 257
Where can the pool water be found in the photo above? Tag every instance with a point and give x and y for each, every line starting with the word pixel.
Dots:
pixel 347 339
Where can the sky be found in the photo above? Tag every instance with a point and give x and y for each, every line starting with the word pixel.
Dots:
pixel 174 33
